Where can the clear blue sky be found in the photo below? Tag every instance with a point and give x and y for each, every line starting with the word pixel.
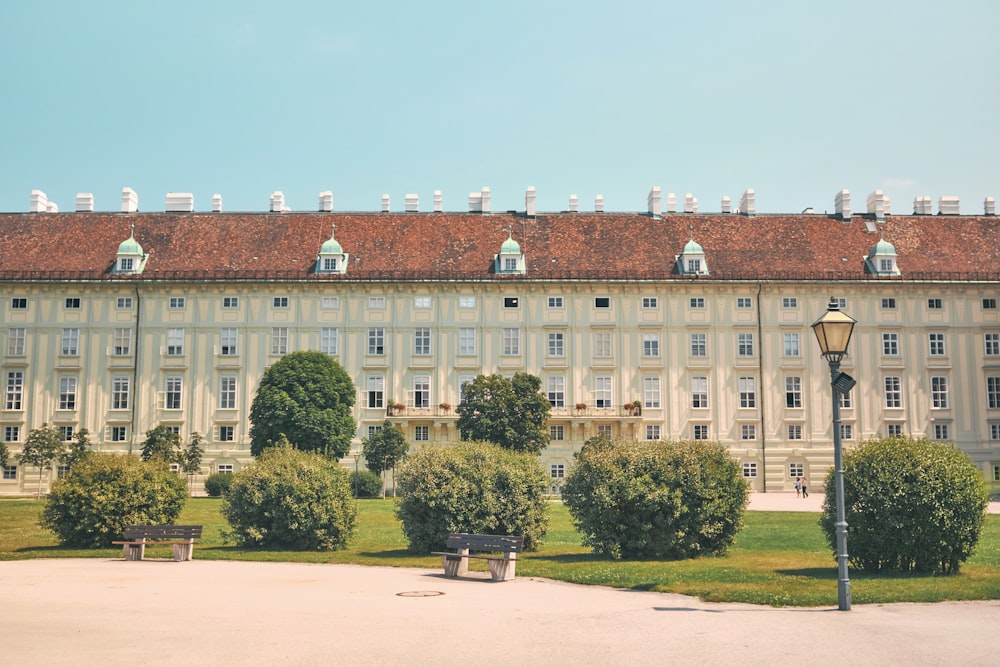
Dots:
pixel 795 99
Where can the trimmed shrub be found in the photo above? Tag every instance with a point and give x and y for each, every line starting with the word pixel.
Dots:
pixel 289 499
pixel 911 505
pixel 366 484
pixel 656 499
pixel 217 484
pixel 471 487
pixel 103 493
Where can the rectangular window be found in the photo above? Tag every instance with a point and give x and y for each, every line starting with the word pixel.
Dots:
pixel 653 432
pixel 699 346
pixel 744 345
pixel 227 392
pixel 329 339
pixel 942 432
pixel 66 433
pixel 602 302
pixel 72 303
pixel 279 340
pixel 422 341
pixel 510 264
pixel 67 393
pixel 694 266
pixel 796 470
pixel 748 431
pixel 885 264
pixel 373 429
pixel 11 433
pixel 789 302
pixel 511 302
pixel 421 433
pixel 279 302
pixel 996 473
pixel 793 392
pixel 122 342
pixel 841 302
pixel 466 302
pixel 230 302
pixel 123 303
pixel 847 431
pixel 557 433
pixel 935 344
pixel 175 342
pixel 330 263
pixel 845 400
pixel 888 303
pixel 19 303
pixel 557 391
pixel 651 392
pixel 70 342
pixel 119 433
pixel 511 341
pixel 466 341
pixel 743 302
pixel 748 392
pixel 699 392
pixel 750 469
pixel 697 302
pixel 934 304
pixel 555 302
pixel 376 340
pixel 700 432
pixel 224 468
pixel 890 345
pixel 650 302
pixel 993 392
pixel 795 431
pixel 172 395
pixel 991 342
pixel 422 391
pixel 989 304
pixel 557 470
pixel 376 302
pixel 376 391
pixel 463 382
pixel 120 387
pixel 421 302
pixel 10 472
pixel 227 433
pixel 176 302
pixel 939 392
pixel 330 302
pixel 651 345
pixel 602 344
pixel 15 390
pixel 791 341
pixel 556 344
pixel 228 342
pixel 605 431
pixel 15 342
pixel 602 391
pixel 894 430
pixel 893 391
pixel 994 434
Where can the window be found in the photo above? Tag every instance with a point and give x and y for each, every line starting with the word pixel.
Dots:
pixel 750 469
pixel 422 341
pixel 422 391
pixel 19 303
pixel 329 337
pixel 123 303
pixel 935 344
pixel 602 302
pixel 67 393
pixel 795 431
pixel 993 392
pixel 376 340
pixel 605 431
pixel 224 468
pixel 651 345
pixel 841 302
pixel 421 433
pixel 653 432
pixel 847 431
pixel 996 473
pixel 555 302
pixel 511 341
pixel 227 392
pixel 796 470
pixel 697 302
pixel 72 303
pixel 651 392
pixel 230 302
pixel 700 432
pixel 329 302
pixel 175 342
pixel 120 387
pixel 70 342
pixel 15 342
pixel 279 340
pixel 845 399
pixel 989 304
pixel 602 391
pixel 119 434
pixel 11 433
pixel 227 433
pixel 557 391
pixel 939 392
pixel 125 264
pixel 894 430
pixel 228 339
pixel 176 302
pixel 942 432
pixel 748 392
pixel 375 428
pixel 793 392
pixel 279 302
pixel 466 302
pixel 122 346
pixel 466 341
pixel 557 433
pixel 885 265
pixel 789 302
pixel 602 344
pixel 699 348
pixel 748 431
pixel 744 345
pixel 421 302
pixel 15 390
pixel 934 304
pixel 743 302
pixel 650 302
pixel 376 391
pixel 991 342
pixel 172 395
pixel 791 344
pixel 511 302
pixel 376 302
pixel 893 391
pixel 888 303
pixel 694 266
pixel 699 392
pixel 10 472
pixel 556 345
pixel 509 264
pixel 890 344
pixel 66 433
pixel 330 264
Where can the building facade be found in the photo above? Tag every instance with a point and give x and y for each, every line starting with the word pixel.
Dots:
pixel 640 325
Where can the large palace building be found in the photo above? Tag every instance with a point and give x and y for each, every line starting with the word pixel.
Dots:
pixel 659 324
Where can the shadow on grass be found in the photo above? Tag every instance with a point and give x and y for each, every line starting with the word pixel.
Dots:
pixel 830 573
pixel 393 554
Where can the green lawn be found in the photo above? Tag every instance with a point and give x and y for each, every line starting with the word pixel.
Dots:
pixel 780 558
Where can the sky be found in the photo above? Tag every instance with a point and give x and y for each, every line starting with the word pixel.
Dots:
pixel 795 99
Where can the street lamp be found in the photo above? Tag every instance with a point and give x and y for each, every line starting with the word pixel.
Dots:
pixel 357 455
pixel 833 331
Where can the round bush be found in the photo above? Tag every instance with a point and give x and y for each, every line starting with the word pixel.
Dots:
pixel 290 499
pixel 911 506
pixel 655 499
pixel 471 487
pixel 217 484
pixel 103 493
pixel 366 484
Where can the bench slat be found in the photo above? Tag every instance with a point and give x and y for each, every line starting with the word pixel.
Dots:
pixel 504 543
pixel 161 532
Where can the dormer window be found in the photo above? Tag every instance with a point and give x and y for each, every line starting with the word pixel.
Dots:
pixel 510 259
pixel 125 265
pixel 881 259
pixel 691 261
pixel 332 258
pixel 330 264
pixel 130 258
pixel 694 266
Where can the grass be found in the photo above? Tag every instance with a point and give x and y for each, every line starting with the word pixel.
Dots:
pixel 779 559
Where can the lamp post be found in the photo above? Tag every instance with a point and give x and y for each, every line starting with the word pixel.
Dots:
pixel 357 455
pixel 833 331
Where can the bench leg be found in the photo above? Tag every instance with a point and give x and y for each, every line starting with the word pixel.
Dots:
pixel 183 552
pixel 134 550
pixel 502 570
pixel 450 564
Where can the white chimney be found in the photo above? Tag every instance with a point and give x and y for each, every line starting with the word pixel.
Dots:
pixel 216 203
pixel 671 202
pixel 748 203
pixel 130 200
pixel 599 204
pixel 653 201
pixel 438 201
pixel 326 201
pixel 84 202
pixel 842 204
pixel 727 206
pixel 922 205
pixel 948 205
pixel 574 204
pixel 877 204
pixel 411 203
pixel 278 202
pixel 529 200
pixel 989 206
pixel 690 203
pixel 475 202
pixel 486 199
pixel 39 202
pixel 179 202
pixel 52 207
pixel 385 203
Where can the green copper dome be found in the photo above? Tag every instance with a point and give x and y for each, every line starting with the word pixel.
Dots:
pixel 883 247
pixel 130 247
pixel 693 248
pixel 510 247
pixel 331 247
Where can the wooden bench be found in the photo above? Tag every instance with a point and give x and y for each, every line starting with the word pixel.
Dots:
pixel 456 564
pixel 135 539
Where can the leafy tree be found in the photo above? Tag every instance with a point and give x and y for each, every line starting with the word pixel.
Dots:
pixel 43 447
pixel 510 413
pixel 218 483
pixel 79 450
pixel 162 444
pixel 307 396
pixel 4 454
pixel 191 458
pixel 911 505
pixel 366 484
pixel 384 449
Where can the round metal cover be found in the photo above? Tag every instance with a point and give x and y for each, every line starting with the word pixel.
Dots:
pixel 419 594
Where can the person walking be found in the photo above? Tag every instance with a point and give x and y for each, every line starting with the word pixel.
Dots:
pixel 805 488
pixel 798 486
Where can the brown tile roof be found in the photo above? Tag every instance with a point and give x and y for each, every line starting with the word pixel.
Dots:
pixel 462 246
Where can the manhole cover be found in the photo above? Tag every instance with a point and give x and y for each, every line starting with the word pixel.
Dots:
pixel 419 594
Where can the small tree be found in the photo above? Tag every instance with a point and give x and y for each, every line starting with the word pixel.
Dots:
pixel 43 447
pixel 4 454
pixel 162 444
pixel 384 449
pixel 191 458
pixel 79 450
pixel 510 413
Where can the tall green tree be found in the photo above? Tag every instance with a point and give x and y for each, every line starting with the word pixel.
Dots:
pixel 79 450
pixel 42 448
pixel 384 449
pixel 191 458
pixel 4 454
pixel 308 397
pixel 510 413
pixel 162 444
